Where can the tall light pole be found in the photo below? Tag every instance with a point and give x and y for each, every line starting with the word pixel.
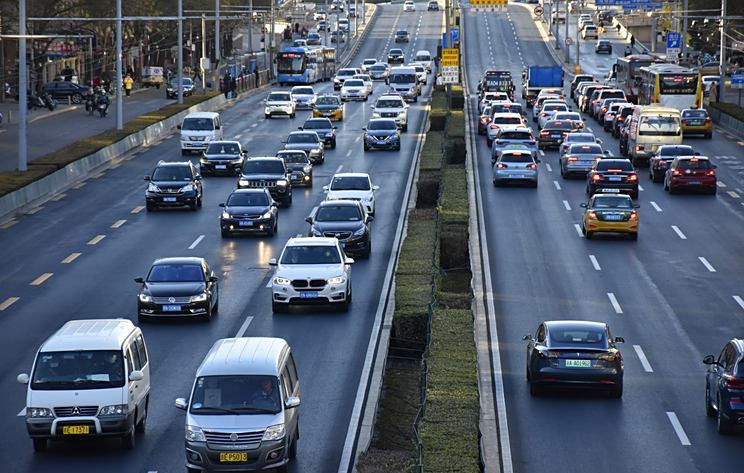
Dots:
pixel 22 87
pixel 119 76
pixel 217 52
pixel 568 48
pixel 204 53
pixel 722 88
pixel 180 52
pixel 683 46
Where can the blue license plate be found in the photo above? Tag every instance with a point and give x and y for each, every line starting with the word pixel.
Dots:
pixel 245 223
pixel 615 178
pixel 517 176
pixel 169 199
pixel 171 308
pixel 555 136
pixel 613 217
pixel 694 182
pixel 308 295
pixel 221 166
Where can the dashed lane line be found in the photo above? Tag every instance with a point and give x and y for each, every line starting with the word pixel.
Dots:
pixel 578 230
pixel 58 197
pixel 138 209
pixel 615 303
pixel 196 242
pixel 35 210
pixel 721 184
pixel 96 239
pixel 118 223
pixel 244 327
pixel 8 224
pixel 595 263
pixel 655 206
pixel 681 435
pixel 8 302
pixel 557 185
pixel 679 232
pixel 642 357
pixel 707 265
pixel 733 194
pixel 548 167
pixel 40 280
pixel 739 301
pixel 567 205
pixel 72 257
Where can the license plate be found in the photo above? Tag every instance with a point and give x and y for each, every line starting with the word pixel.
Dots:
pixel 694 182
pixel 245 223
pixel 695 123
pixel 226 457
pixel 308 295
pixel 555 136
pixel 612 191
pixel 75 429
pixel 220 166
pixel 615 178
pixel 613 217
pixel 169 199
pixel 171 308
pixel 578 363
pixel 327 114
pixel 517 176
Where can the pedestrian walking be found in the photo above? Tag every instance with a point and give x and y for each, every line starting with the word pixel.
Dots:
pixel 618 28
pixel 128 84
pixel 234 87
pixel 226 84
pixel 632 41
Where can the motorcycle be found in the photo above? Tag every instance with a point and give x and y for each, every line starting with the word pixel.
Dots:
pixel 41 101
pixel 97 102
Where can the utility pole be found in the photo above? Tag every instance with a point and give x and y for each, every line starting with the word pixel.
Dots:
pixel 22 88
pixel 271 42
pixel 180 52
pixel 250 26
pixel 722 87
pixel 568 48
pixel 654 20
pixel 119 76
pixel 204 54
pixel 683 46
pixel 327 25
pixel 578 47
pixel 555 23
pixel 356 16
pixel 217 52
pixel 191 46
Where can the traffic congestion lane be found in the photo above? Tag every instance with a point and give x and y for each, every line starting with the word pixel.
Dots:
pixel 334 375
pixel 633 293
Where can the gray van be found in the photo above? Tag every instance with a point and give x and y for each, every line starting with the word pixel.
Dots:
pixel 243 410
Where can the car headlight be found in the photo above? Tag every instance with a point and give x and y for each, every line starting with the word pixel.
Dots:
pixel 266 215
pixel 375 115
pixel 38 412
pixel 243 182
pixel 281 182
pixel 315 232
pixel 307 169
pixel 360 231
pixel 279 281
pixel 187 188
pixel 194 434
pixel 207 138
pixel 145 298
pixel 153 188
pixel 114 410
pixel 236 161
pixel 337 280
pixel 199 297
pixel 369 198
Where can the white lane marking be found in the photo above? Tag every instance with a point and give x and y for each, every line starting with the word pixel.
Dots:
pixel 244 327
pixel 40 280
pixel 196 242
pixel 71 258
pixel 339 168
pixel 644 361
pixel 118 223
pixel 557 185
pixel 595 263
pixel 22 413
pixel 733 194
pixel 707 265
pixel 8 302
pixel 254 125
pixel 34 210
pixel 720 184
pixel 96 239
pixel 590 130
pixel 679 232
pixel 8 224
pixel 348 153
pixel 269 284
pixel 358 139
pixel 578 230
pixel 739 301
pixel 59 197
pixel 137 209
pixel 655 206
pixel 681 435
pixel 548 167
pixel 567 205
pixel 615 303
pixel 542 153
pixel 640 188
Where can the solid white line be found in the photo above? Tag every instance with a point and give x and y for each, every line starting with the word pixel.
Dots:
pixel 40 280
pixel 578 230
pixel 644 361
pixel 548 167
pixel 118 223
pixel 358 139
pixel 567 205
pixel 655 206
pixel 595 263
pixel 96 239
pixel 708 266
pixel 679 232
pixel 8 302
pixel 733 194
pixel 615 304
pixel 681 435
pixel 339 168
pixel 739 301
pixel 244 327
pixel 196 242
pixel 71 258
pixel 557 185
pixel 268 284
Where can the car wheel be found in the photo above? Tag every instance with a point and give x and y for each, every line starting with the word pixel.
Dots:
pixel 224 233
pixel 149 207
pixel 193 206
pixel 535 390
pixel 184 152
pixel 267 116
pixel 723 425
pixel 633 236
pixel 292 115
pixel 40 445
pixel 76 98
pixel 708 136
pixel 292 454
pixel 271 231
pixel 405 127
pixel 589 235
pixel 142 424
pixel 129 440
pixel 199 201
pixel 278 308
pixel 366 148
pixel 333 144
pixel 397 147
pixel 489 141
pixel 709 410
pixel 343 306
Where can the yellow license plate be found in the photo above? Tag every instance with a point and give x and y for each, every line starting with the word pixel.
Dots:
pixel 233 456
pixel 75 429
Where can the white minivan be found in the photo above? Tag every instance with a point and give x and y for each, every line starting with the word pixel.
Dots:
pixel 91 378
pixel 243 409
pixel 198 129
pixel 404 82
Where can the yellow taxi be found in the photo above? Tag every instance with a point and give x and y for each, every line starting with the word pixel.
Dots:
pixel 610 214
pixel 329 106
pixel 697 121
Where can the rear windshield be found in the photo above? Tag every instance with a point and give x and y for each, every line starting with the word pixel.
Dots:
pixel 245 199
pixel 586 149
pixel 695 114
pixel 606 165
pixel 563 125
pixel 507 120
pixel 516 135
pixel 512 108
pixel 349 183
pixel 311 254
pixel 516 158
pixel 694 164
pixel 580 138
pixel 676 151
pixel 614 94
pixel 612 202
pixel 552 108
pixel 578 337
pixel 659 126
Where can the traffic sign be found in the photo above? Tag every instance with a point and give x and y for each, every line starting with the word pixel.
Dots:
pixel 455 34
pixel 488 2
pixel 737 81
pixel 569 41
pixel 674 40
pixel 538 10
pixel 450 66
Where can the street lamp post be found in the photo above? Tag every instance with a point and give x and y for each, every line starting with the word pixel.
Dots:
pixel 119 76
pixel 22 88
pixel 180 52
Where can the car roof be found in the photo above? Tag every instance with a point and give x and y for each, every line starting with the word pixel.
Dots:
pixel 423 51
pixel 232 142
pixel 91 334
pixel 173 163
pixel 349 202
pixel 244 356
pixel 616 160
pixel 179 260
pixel 264 158
pixel 389 96
pixel 202 115
pixel 386 120
pixel 506 115
pixel 692 157
pixel 255 190
pixel 350 174
pixel 312 241
pixel 569 324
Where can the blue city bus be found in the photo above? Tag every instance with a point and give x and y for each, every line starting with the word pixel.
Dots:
pixel 297 65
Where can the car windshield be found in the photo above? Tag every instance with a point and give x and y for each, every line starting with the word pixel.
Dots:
pixel 88 369
pixel 511 107
pixel 369 62
pixel 676 151
pixel 303 138
pixel 171 173
pixel 311 254
pixel 378 67
pixel 235 395
pixel 695 114
pixel 389 103
pixel 186 82
pixel 346 72
pixel 578 337
pixel 294 158
pixel 580 138
pixel 516 135
pixel 585 149
pixel 607 165
pixel 317 124
pixel 263 167
pixel 396 52
pixel 223 148
pixel 303 91
pixel 694 164
pixel 382 125
pixel 612 202
pixel 197 124
pixel 659 125
pixel 176 273
pixel 327 101
pixel 507 120
pixel 350 183
pixel 423 57
pixel 613 94
pixel 401 33
pixel 516 157
pixel 247 199
pixel 279 97
pixel 353 83
pixel 554 125
pixel 338 213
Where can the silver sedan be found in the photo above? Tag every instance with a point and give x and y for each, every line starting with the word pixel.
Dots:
pixel 515 167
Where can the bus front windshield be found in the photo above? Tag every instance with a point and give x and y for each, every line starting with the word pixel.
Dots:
pixel 292 63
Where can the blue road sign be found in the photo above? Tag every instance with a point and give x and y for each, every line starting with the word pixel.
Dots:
pixel 674 40
pixel 455 34
pixel 737 81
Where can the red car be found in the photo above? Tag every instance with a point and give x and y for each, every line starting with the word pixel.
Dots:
pixel 691 173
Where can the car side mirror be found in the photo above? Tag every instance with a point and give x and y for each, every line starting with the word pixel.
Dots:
pixel 299 128
pixel 147 178
pixel 197 177
pixel 139 280
pixel 221 205
pixel 370 218
pixel 335 127
pixel 707 360
pixel 309 220
pixel 181 403
pixel 292 402
pixel 274 203
pixel 538 160
pixel 136 375
pixel 375 188
pixel 349 261
pixel 272 262
pixel 527 337
pixel 22 378
pixel 636 206
pixel 217 127
pixel 619 340
pixel 607 152
pixel 213 279
pixel 178 127
pixel 325 188
pixel 715 166
pixel 599 141
pixel 364 128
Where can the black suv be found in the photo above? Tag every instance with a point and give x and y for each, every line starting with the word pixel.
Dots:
pixel 299 166
pixel 174 184
pixel 178 287
pixel 222 157
pixel 395 55
pixel 269 173
pixel 324 128
pixel 724 386
pixel 345 220
pixel 249 211
pixel 61 90
pixel 615 176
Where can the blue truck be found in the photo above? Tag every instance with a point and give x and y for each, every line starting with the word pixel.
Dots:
pixel 537 78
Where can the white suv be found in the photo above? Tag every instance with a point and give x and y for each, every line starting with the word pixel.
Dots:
pixel 311 270
pixel 392 106
pixel 408 5
pixel 279 103
pixel 352 186
pixel 342 75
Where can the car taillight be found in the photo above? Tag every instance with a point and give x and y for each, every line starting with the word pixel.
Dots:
pixel 732 382
pixel 502 166
pixel 634 215
pixel 676 172
pixel 708 121
pixel 484 119
pixel 685 122
pixel 580 124
pixel 621 119
pixel 639 148
pixel 633 177
pixel 711 172
pixel 543 114
pixel 596 177
pixel 494 127
pixel 532 166
pixel 572 159
pixel 604 109
pixel 592 215
pixel 544 133
pixel 500 142
pixel 611 356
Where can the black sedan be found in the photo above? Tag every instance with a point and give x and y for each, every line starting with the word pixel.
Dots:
pixel 178 287
pixel 63 90
pixel 174 184
pixel 324 128
pixel 381 133
pixel 299 166
pixel 603 46
pixel 551 135
pixel 395 56
pixel 345 220
pixel 574 354
pixel 249 211
pixel 222 157
pixel 612 176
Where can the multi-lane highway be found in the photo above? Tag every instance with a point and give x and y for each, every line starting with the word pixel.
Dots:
pixel 673 295
pixel 77 255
